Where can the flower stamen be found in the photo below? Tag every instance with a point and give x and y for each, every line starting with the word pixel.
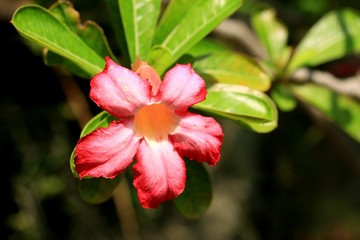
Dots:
pixel 155 121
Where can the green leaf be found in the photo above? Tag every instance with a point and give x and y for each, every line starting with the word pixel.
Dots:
pixel 340 109
pixel 100 120
pixel 272 33
pixel 335 35
pixel 53 59
pixel 118 30
pixel 185 23
pixel 97 190
pixel 197 196
pixel 232 68
pixel 202 49
pixel 45 29
pixel 174 13
pixel 89 32
pixel 250 108
pixel 139 19
pixel 283 98
pixel 207 46
pixel 159 54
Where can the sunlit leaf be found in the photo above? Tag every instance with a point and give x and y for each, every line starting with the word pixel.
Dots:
pixel 335 35
pixel 174 13
pixel 250 108
pixel 97 190
pixel 139 19
pixel 185 23
pixel 197 196
pixel 272 33
pixel 101 120
pixel 42 27
pixel 89 32
pixel 229 67
pixel 340 109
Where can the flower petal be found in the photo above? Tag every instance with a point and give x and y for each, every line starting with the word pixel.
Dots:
pixel 148 73
pixel 159 173
pixel 106 152
pixel 198 137
pixel 119 90
pixel 182 87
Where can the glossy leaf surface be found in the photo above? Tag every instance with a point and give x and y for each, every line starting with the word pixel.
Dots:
pixel 272 33
pixel 232 68
pixel 45 29
pixel 91 33
pixel 181 27
pixel 335 35
pixel 251 108
pixel 139 19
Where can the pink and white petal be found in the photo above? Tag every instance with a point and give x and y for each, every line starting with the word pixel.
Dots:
pixel 106 152
pixel 159 173
pixel 119 90
pixel 182 87
pixel 198 138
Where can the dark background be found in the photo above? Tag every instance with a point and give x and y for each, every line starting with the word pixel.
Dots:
pixel 301 181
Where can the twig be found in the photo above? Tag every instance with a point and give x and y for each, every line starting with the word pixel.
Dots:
pixel 81 110
pixel 349 86
pixel 125 211
pixel 74 96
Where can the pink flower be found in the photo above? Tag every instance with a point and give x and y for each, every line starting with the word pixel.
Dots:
pixel 155 127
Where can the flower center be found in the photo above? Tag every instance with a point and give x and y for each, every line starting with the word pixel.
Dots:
pixel 155 121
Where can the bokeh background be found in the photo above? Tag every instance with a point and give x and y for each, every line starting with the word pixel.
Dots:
pixel 301 181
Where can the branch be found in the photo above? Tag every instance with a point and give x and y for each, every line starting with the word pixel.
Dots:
pixel 348 86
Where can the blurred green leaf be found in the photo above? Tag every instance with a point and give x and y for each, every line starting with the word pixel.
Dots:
pixel 97 190
pixel 334 36
pixel 90 33
pixel 207 46
pixel 229 67
pixel 197 196
pixel 272 33
pixel 340 109
pixel 283 98
pixel 250 108
pixel 42 27
pixel 181 27
pixel 139 19
pixel 100 120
